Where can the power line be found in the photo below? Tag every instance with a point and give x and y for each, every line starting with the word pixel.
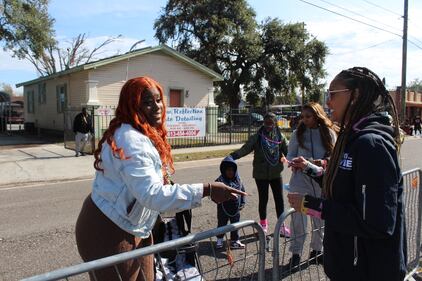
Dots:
pixel 359 21
pixel 414 44
pixel 382 8
pixel 358 14
pixel 350 18
pixel 362 49
pixel 416 39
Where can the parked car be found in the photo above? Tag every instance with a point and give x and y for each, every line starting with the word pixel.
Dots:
pixel 11 113
pixel 246 119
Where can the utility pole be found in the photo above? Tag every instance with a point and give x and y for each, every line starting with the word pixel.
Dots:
pixel 404 62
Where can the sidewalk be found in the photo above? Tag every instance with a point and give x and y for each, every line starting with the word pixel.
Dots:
pixel 54 163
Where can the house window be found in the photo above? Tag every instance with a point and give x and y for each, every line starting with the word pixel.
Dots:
pixel 61 96
pixel 30 101
pixel 42 93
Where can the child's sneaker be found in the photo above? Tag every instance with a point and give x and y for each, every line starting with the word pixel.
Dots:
pixel 237 245
pixel 264 225
pixel 220 243
pixel 284 231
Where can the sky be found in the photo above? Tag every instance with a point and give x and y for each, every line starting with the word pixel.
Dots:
pixel 350 43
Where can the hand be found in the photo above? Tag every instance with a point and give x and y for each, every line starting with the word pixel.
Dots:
pixel 241 207
pixel 295 200
pixel 318 162
pixel 298 163
pixel 221 192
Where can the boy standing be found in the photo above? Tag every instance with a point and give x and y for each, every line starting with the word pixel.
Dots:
pixel 230 210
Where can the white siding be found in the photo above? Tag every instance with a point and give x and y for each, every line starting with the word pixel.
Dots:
pixel 168 71
pixel 45 115
pixel 77 93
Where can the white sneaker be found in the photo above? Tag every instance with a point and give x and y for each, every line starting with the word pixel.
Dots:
pixel 237 245
pixel 220 243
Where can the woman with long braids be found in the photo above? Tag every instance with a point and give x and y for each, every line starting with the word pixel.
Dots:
pixel 362 202
pixel 270 147
pixel 132 184
pixel 314 139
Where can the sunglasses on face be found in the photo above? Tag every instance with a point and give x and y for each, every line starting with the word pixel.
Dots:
pixel 331 94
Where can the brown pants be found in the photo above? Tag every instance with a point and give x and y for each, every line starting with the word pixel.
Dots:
pixel 98 237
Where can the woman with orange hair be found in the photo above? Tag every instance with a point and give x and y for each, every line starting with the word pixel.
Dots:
pixel 132 184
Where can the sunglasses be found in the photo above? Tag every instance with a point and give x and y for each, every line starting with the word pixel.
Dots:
pixel 331 94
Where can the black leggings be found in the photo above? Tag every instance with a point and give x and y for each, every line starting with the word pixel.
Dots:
pixel 277 188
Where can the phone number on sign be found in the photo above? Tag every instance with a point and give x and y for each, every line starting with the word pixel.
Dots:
pixel 184 133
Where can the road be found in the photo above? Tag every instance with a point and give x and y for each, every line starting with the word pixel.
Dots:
pixel 37 222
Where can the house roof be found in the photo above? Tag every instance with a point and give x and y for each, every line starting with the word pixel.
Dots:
pixel 161 48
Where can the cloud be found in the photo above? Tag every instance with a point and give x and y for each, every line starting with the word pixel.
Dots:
pixel 7 62
pixel 355 44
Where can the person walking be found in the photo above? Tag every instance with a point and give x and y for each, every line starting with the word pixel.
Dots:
pixel 270 147
pixel 362 204
pixel 133 186
pixel 417 126
pixel 314 139
pixel 82 127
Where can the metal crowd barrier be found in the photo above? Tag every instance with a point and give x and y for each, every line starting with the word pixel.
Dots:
pixel 413 204
pixel 310 269
pixel 212 264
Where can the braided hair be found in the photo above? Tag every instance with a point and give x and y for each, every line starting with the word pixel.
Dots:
pixel 368 96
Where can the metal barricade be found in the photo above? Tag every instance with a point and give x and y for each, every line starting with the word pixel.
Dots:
pixel 413 201
pixel 244 264
pixel 310 269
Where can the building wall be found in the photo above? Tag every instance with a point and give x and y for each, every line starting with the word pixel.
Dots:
pixel 46 114
pixel 169 72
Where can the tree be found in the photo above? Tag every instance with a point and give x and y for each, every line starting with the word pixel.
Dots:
pixel 27 30
pixel 263 60
pixel 7 89
pixel 56 58
pixel 219 34
pixel 415 85
pixel 25 27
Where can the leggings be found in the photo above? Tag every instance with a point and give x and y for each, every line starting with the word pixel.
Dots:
pixel 97 237
pixel 276 186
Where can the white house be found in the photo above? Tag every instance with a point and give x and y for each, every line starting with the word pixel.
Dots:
pixel 186 84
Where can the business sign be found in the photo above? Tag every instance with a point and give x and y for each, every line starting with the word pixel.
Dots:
pixel 185 122
pixel 105 111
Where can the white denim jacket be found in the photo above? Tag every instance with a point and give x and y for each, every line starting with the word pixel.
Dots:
pixel 131 192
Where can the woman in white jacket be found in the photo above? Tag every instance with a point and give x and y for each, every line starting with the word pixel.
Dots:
pixel 132 184
pixel 314 139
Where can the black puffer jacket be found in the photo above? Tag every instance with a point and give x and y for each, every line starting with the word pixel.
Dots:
pixel 82 124
pixel 365 237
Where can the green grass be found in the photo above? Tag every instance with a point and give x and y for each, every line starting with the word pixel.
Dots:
pixel 201 155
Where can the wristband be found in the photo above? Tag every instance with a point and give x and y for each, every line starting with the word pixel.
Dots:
pixel 311 206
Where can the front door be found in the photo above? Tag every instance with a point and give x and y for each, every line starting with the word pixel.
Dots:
pixel 175 98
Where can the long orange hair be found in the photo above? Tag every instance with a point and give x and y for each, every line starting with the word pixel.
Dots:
pixel 128 111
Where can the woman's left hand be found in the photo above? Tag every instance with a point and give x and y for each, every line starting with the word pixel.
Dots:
pixel 295 200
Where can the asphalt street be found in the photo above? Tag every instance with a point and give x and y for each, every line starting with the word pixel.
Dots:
pixel 37 221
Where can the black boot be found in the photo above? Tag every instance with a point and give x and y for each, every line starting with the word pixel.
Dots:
pixel 316 257
pixel 292 266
